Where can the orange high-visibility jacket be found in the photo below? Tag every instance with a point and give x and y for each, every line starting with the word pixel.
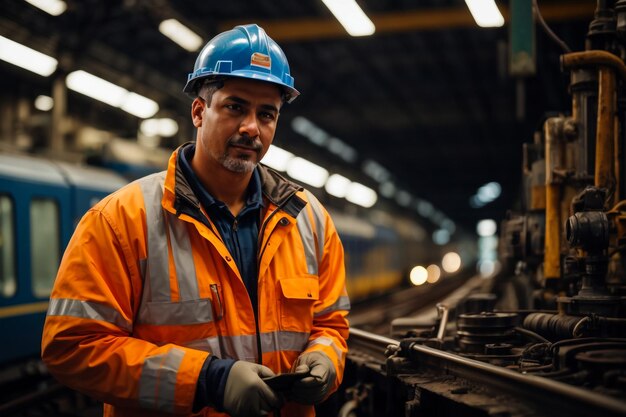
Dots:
pixel 147 290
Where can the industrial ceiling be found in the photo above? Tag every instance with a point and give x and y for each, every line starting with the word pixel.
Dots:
pixel 428 97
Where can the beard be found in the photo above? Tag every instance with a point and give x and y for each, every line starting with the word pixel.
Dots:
pixel 238 162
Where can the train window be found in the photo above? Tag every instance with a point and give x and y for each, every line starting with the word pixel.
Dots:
pixel 45 251
pixel 8 281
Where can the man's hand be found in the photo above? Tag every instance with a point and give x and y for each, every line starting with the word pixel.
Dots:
pixel 246 394
pixel 313 388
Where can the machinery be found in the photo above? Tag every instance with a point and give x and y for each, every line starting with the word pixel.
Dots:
pixel 546 336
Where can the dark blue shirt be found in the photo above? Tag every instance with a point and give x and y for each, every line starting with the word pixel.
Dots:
pixel 239 233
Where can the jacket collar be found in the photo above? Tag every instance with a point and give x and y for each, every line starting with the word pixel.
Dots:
pixel 276 189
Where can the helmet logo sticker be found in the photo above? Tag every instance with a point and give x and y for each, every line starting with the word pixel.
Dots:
pixel 260 60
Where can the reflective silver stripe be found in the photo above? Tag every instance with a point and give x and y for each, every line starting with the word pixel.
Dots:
pixel 87 310
pixel 342 303
pixel 283 340
pixel 228 347
pixel 157 275
pixel 156 306
pixel 326 341
pixel 308 233
pixel 183 259
pixel 244 347
pixel 157 384
pixel 318 218
pixel 174 313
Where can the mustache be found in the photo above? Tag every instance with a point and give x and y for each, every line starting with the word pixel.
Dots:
pixel 246 142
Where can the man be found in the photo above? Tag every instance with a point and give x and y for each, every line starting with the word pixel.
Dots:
pixel 184 290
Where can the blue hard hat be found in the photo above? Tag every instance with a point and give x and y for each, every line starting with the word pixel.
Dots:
pixel 246 52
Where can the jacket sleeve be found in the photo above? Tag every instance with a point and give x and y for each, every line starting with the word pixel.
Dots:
pixel 330 325
pixel 88 341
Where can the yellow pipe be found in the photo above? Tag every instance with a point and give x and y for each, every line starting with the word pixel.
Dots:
pixel 605 130
pixel 552 251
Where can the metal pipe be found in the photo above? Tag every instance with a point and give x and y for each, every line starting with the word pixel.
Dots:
pixel 552 253
pixel 534 388
pixel 593 58
pixel 605 133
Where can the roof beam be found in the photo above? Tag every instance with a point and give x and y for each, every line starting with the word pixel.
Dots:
pixel 404 21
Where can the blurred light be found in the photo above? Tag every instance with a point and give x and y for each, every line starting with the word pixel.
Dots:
pixel 44 103
pixel 486 227
pixel 111 94
pixel 159 127
pixel 475 202
pixel 309 173
pixel 341 149
pixel 140 106
pixel 181 34
pixel 97 88
pixel 485 194
pixel 403 198
pixel 53 7
pixel 489 192
pixel 434 273
pixel 485 13
pixel 376 171
pixel 448 225
pixel 418 275
pixel 451 262
pixel 486 268
pixel 441 237
pixel 277 158
pixel 337 185
pixel 424 208
pixel 361 195
pixel 27 58
pixel 351 17
pixel 387 189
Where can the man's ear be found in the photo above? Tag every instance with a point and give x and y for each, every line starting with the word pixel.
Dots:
pixel 197 109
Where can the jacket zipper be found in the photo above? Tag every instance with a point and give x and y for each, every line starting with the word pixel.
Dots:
pixel 258 268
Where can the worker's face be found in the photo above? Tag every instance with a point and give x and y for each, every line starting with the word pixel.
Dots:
pixel 238 126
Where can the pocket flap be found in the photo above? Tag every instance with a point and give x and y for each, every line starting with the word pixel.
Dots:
pixel 300 288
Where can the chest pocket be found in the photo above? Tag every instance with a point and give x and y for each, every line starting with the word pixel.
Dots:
pixel 298 297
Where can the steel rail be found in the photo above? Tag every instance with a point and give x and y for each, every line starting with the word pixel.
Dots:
pixel 541 391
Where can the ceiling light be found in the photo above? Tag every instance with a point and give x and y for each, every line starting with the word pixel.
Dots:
pixel 164 127
pixel 181 34
pixel 309 173
pixel 53 7
pixel 111 94
pixel 27 58
pixel 485 13
pixel 337 185
pixel 44 103
pixel 351 17
pixel 277 158
pixel 139 106
pixel 361 195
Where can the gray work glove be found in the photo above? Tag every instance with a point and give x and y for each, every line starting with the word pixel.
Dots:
pixel 313 388
pixel 246 394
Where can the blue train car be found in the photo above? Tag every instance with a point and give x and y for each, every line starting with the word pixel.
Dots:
pixel 41 201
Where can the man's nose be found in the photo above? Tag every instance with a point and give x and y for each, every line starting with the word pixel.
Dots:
pixel 249 125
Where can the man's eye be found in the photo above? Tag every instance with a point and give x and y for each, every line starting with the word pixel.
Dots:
pixel 267 116
pixel 235 107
